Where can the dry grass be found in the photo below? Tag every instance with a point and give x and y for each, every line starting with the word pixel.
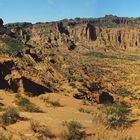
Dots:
pixel 26 105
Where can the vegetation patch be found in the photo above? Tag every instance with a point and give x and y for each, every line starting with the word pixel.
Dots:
pixel 6 136
pixel 120 57
pixel 12 45
pixel 42 131
pixel 117 116
pixel 10 116
pixel 74 131
pixel 26 105
pixel 123 92
pixel 55 103
pixel 119 136
pixel 85 110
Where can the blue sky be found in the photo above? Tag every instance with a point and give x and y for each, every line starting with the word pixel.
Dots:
pixel 51 10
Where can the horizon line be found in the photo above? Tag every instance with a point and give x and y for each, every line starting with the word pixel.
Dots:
pixel 72 18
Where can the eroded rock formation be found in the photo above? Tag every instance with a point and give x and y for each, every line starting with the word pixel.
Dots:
pixel 121 36
pixel 11 78
pixel 97 97
pixel 43 52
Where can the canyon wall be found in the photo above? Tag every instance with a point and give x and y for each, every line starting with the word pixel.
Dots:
pixel 101 36
pixel 110 31
pixel 118 37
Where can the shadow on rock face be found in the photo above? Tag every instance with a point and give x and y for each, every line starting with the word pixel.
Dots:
pixel 92 32
pixel 34 88
pixel 5 68
pixel 3 83
pixel 105 97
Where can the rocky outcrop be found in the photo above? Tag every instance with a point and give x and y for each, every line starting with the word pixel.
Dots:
pixel 1 22
pixel 108 31
pixel 118 37
pixel 47 54
pixel 62 29
pixel 4 70
pixel 91 32
pixel 97 97
pixel 11 78
pixel 2 29
pixel 123 37
pixel 19 31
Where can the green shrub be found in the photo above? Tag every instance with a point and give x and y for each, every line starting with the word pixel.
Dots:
pixel 42 131
pixel 98 117
pixel 119 57
pixel 123 92
pixel 74 131
pixel 10 116
pixel 117 116
pixel 12 45
pixel 75 39
pixel 60 69
pixel 46 99
pixel 52 103
pixel 71 78
pixel 56 103
pixel 119 136
pixel 26 105
pixel 35 126
pixel 73 85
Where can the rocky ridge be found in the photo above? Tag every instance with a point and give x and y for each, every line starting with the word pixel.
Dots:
pixel 42 52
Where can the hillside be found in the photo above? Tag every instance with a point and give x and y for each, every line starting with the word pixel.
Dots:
pixel 83 67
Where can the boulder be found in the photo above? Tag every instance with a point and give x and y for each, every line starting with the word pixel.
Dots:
pixel 100 98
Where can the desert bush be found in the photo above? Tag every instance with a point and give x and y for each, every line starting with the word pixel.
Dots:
pixel 117 116
pixel 74 131
pixel 60 69
pixel 56 103
pixel 26 105
pixel 114 116
pixel 52 103
pixel 85 110
pixel 12 45
pixel 35 126
pixel 75 39
pixel 5 136
pixel 123 92
pixel 100 55
pixel 42 131
pixel 98 118
pixel 119 57
pixel 46 99
pixel 71 78
pixel 10 116
pixel 73 85
pixel 116 137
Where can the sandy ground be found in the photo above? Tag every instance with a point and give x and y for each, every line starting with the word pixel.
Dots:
pixel 53 117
